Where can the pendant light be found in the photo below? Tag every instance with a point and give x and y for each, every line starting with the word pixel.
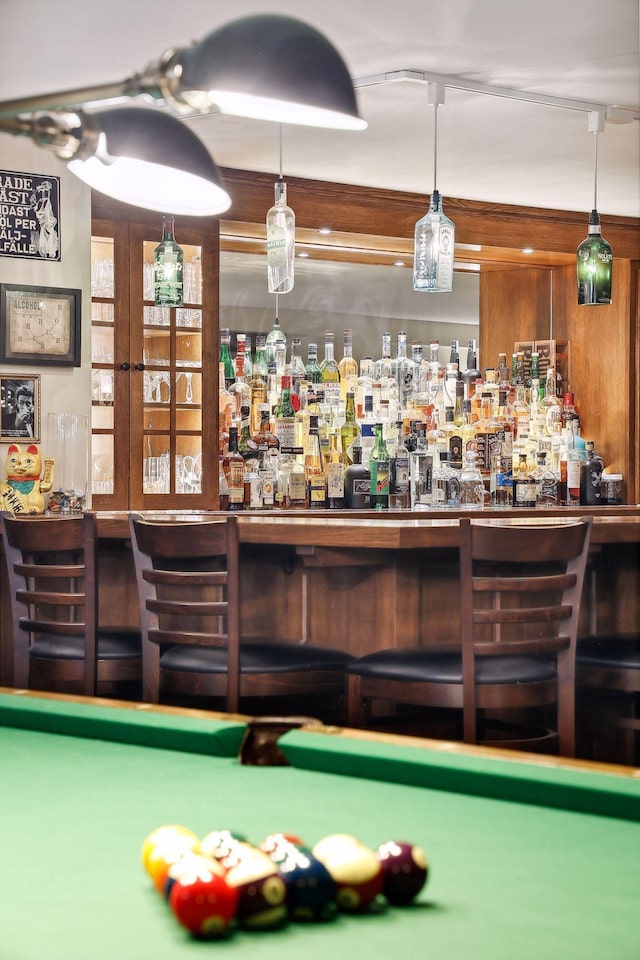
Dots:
pixel 434 237
pixel 136 155
pixel 281 238
pixel 594 258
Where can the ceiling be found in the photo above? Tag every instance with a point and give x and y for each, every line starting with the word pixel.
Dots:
pixel 489 148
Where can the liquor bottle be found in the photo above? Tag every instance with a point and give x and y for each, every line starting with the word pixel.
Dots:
pixel 445 484
pixel 314 468
pixel 245 339
pixel 286 418
pixel 168 268
pixel 334 466
pixel 546 482
pixel 524 485
pixel 594 263
pixel 295 483
pixel 434 240
pixel 349 431
pixel 276 342
pixel 247 447
pixel 591 477
pixel 471 485
pixel 357 482
pixel 502 494
pixel 268 475
pixel 260 361
pixel 367 429
pixel 471 374
pixel 348 367
pixel 365 384
pixel 223 487
pixel 383 367
pixel 405 371
pixel 551 403
pixel 264 439
pixel 330 371
pixel 312 368
pixel 379 467
pixel 297 371
pixel 233 466
pixel 240 389
pixel 225 357
pixel 454 353
pixel 421 471
pixel 281 241
pixel 226 410
pixel 400 474
pixel 259 395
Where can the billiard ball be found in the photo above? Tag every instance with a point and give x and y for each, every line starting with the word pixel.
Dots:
pixel 190 863
pixel 404 869
pixel 220 844
pixel 167 832
pixel 311 890
pixel 355 869
pixel 203 901
pixel 169 849
pixel 261 892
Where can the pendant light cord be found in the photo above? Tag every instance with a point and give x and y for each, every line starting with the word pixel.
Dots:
pixel 435 145
pixel 280 139
pixel 595 175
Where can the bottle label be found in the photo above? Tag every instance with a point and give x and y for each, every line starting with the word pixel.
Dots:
pixel 286 434
pixel 297 487
pixel 379 477
pixel 335 481
pixel 317 490
pixel 400 475
pixel 236 481
pixel 276 246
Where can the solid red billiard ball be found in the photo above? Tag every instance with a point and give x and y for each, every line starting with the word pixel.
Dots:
pixel 355 869
pixel 190 863
pixel 404 869
pixel 203 902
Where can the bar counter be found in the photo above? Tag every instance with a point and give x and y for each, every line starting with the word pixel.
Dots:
pixel 362 580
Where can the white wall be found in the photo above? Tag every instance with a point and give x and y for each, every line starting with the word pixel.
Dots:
pixel 66 389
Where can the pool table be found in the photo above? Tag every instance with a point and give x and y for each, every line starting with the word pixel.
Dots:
pixel 530 858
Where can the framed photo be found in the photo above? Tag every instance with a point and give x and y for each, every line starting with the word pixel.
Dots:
pixel 40 325
pixel 20 407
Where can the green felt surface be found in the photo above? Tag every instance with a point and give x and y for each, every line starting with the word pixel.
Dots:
pixel 508 879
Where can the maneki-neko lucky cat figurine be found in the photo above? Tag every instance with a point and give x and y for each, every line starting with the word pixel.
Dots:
pixel 22 491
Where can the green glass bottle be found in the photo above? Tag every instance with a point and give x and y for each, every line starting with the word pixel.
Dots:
pixel 225 357
pixel 167 268
pixel 594 261
pixel 379 467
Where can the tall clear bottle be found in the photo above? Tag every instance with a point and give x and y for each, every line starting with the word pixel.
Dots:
pixel 594 263
pixel 348 367
pixel 281 241
pixel 314 468
pixel 349 430
pixel 334 466
pixel 434 241
pixel 168 268
pixel 276 344
pixel 330 371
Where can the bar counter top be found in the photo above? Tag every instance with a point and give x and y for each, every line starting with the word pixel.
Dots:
pixel 391 530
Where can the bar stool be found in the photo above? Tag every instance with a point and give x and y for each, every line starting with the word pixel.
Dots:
pixel 520 586
pixel 188 577
pixel 57 644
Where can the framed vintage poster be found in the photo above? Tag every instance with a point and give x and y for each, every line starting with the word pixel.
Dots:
pixel 20 407
pixel 40 325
